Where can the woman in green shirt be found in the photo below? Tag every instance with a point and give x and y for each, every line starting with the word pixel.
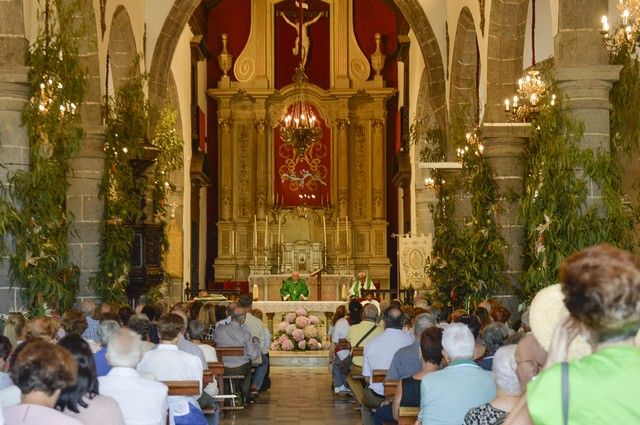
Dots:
pixel 601 286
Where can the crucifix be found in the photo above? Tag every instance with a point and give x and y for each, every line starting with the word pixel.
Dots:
pixel 303 42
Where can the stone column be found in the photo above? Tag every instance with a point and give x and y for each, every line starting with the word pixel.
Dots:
pixel 343 167
pixel 378 166
pixel 85 206
pixel 504 149
pixel 583 73
pixel 14 90
pixel 261 169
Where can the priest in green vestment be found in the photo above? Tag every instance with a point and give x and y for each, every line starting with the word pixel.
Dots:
pixel 294 288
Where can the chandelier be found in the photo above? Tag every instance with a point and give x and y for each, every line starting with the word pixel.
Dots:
pixel 300 128
pixel 627 33
pixel 531 88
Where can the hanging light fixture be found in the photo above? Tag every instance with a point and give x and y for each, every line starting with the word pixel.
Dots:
pixel 627 33
pixel 531 88
pixel 300 127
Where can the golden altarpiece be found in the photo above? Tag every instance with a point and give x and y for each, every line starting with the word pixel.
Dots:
pixel 263 235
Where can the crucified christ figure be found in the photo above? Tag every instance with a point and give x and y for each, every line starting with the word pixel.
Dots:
pixel 304 37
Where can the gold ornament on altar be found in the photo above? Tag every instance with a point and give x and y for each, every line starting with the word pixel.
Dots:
pixel 378 58
pixel 627 33
pixel 225 59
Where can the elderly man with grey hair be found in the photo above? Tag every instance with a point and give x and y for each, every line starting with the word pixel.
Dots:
pixel 106 329
pixel 508 390
pixel 448 394
pixel 495 334
pixel 407 360
pixel 142 401
pixel 186 345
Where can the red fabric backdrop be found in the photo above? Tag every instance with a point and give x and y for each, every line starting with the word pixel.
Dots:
pixel 314 168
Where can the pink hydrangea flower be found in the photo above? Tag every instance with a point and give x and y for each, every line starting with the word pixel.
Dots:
pixel 290 329
pixel 290 317
pixel 287 345
pixel 301 311
pixel 313 344
pixel 302 344
pixel 302 322
pixel 282 327
pixel 275 346
pixel 283 338
pixel 310 331
pixel 298 335
pixel 314 320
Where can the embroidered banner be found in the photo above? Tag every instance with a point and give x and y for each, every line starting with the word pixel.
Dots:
pixel 414 254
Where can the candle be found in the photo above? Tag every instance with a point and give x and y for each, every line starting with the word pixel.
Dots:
pixel 279 231
pixel 324 231
pixel 255 291
pixel 343 292
pixel 233 240
pixel 266 230
pixel 255 232
pixel 348 233
pixel 337 232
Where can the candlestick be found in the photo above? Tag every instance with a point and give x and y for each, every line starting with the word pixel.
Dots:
pixel 255 232
pixel 233 241
pixel 279 230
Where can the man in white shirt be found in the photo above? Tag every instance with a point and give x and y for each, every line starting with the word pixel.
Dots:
pixel 256 329
pixel 368 299
pixel 378 354
pixel 168 363
pixel 142 401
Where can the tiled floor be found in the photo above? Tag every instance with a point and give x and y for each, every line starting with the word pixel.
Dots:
pixel 298 396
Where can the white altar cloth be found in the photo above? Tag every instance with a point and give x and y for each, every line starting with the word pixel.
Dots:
pixel 286 306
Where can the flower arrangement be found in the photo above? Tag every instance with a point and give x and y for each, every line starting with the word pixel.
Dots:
pixel 297 331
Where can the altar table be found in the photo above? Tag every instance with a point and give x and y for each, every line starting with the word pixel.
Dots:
pixel 269 285
pixel 270 308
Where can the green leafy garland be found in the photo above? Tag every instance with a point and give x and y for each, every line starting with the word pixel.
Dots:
pixel 467 261
pixel 625 98
pixel 558 218
pixel 40 262
pixel 119 189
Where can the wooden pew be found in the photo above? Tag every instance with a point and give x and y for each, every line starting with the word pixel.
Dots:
pixel 207 377
pixel 408 415
pixel 357 352
pixel 229 351
pixel 217 370
pixel 390 386
pixel 186 388
pixel 378 375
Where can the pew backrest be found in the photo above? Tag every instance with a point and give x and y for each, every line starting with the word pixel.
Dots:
pixel 408 415
pixel 185 388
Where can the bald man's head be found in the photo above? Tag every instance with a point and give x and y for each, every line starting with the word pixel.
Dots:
pixel 530 358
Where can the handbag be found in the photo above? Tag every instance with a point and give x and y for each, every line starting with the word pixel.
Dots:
pixel 344 365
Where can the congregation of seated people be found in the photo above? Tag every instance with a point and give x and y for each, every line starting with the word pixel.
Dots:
pixel 116 366
pixel 571 358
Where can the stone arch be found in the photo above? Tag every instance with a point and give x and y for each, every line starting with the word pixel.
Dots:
pixel 415 15
pixel 465 68
pixel 507 25
pixel 122 46
pixel 165 47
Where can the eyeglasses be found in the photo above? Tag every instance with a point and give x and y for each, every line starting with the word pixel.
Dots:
pixel 518 363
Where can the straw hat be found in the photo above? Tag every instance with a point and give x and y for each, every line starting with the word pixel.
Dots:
pixel 547 309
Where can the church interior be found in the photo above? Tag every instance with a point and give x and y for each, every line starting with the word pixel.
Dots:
pixel 292 156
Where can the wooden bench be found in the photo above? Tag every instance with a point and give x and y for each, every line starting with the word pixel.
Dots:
pixel 378 375
pixel 408 415
pixel 357 351
pixel 390 386
pixel 235 351
pixel 185 388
